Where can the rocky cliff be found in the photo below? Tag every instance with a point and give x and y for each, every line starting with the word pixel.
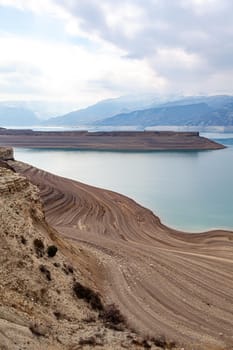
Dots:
pixel 6 153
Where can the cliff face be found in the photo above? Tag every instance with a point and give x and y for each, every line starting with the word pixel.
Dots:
pixel 39 279
pixel 30 283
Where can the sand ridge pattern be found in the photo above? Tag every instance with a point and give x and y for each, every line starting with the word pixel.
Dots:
pixel 165 282
pixel 48 295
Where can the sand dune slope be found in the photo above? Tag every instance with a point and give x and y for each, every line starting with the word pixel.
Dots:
pixel 165 282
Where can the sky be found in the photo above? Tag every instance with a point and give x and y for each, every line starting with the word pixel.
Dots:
pixel 84 51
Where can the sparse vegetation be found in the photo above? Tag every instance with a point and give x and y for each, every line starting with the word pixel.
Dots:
pixel 39 247
pixel 110 314
pixel 58 315
pixel 93 340
pixel 90 296
pixel 47 310
pixel 163 343
pixel 46 272
pixel 23 240
pixel 68 269
pixel 90 318
pixel 51 251
pixel 112 317
pixel 88 341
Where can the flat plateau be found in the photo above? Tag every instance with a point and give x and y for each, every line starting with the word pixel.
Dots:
pixel 112 141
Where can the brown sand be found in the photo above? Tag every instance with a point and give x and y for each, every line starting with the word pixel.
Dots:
pixel 165 282
pixel 118 140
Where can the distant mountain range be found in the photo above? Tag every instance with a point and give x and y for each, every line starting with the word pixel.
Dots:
pixel 192 111
pixel 42 109
pixel 102 110
pixel 17 116
pixel 141 112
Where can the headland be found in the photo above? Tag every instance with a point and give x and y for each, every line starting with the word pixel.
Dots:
pixel 112 140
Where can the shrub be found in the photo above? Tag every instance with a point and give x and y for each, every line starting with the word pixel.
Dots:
pixel 51 251
pixel 112 314
pixel 87 294
pixel 56 264
pixel 46 272
pixel 68 269
pixel 160 341
pixel 58 315
pixel 88 341
pixel 113 318
pixel 163 343
pixel 23 240
pixel 39 247
pixel 90 318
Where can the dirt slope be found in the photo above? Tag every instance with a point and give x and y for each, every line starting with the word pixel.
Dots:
pixel 48 287
pixel 165 282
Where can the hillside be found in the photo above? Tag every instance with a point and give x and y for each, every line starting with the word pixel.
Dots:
pixel 17 116
pixel 215 101
pixel 41 108
pixel 62 266
pixel 124 111
pixel 197 114
pixel 100 110
pixel 172 286
pixel 49 295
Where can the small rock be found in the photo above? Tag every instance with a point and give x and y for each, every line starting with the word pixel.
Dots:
pixel 38 330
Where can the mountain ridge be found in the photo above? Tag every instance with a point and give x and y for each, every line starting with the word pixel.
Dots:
pixel 142 111
pixel 123 112
pixel 17 116
pixel 196 114
pixel 99 110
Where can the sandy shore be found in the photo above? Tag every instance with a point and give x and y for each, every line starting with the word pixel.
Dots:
pixel 118 140
pixel 165 282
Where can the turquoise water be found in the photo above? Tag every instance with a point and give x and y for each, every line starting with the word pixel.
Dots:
pixel 188 190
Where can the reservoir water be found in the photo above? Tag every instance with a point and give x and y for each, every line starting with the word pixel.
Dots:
pixel 188 190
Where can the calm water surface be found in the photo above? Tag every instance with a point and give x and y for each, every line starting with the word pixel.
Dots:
pixel 188 190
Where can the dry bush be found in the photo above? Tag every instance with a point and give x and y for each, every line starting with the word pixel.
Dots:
pixel 90 296
pixel 39 247
pixel 51 251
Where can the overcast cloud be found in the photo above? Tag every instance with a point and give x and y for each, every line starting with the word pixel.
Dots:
pixel 110 48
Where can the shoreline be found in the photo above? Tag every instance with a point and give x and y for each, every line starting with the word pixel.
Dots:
pixel 162 218
pixel 194 224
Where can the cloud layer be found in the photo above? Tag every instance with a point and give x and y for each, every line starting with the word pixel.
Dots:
pixel 111 48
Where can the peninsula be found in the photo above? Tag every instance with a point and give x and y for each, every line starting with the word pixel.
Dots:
pixel 112 140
